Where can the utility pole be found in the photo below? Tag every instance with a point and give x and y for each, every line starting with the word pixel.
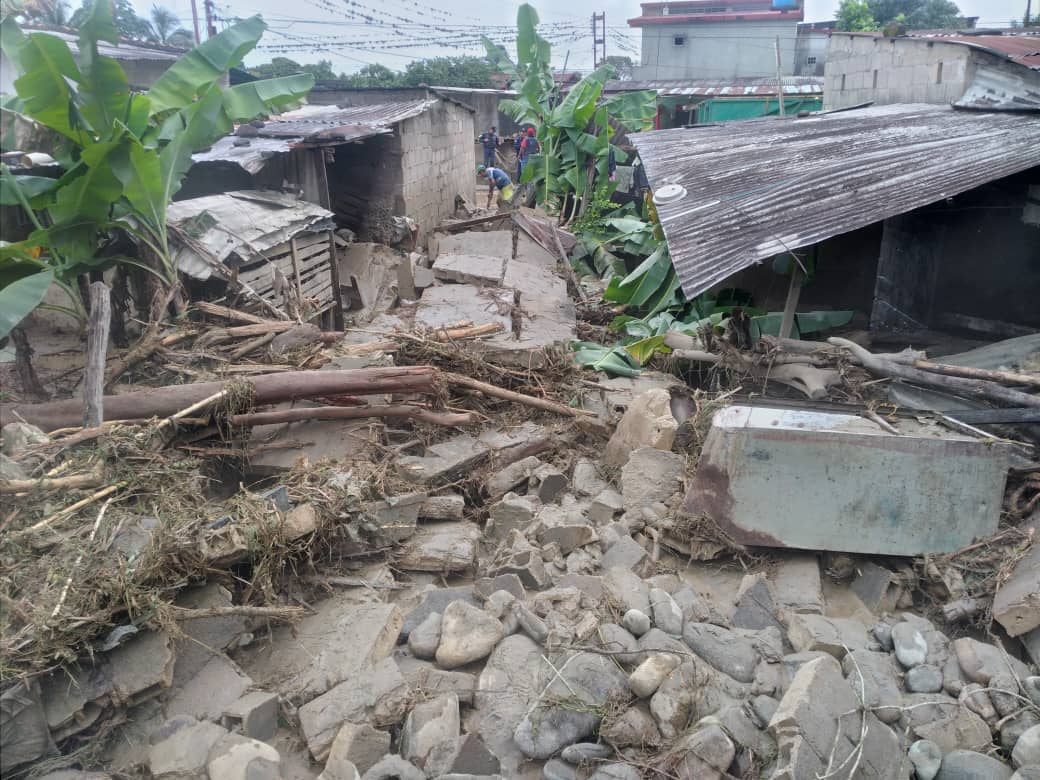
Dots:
pixel 195 21
pixel 779 78
pixel 211 27
pixel 1029 13
pixel 599 38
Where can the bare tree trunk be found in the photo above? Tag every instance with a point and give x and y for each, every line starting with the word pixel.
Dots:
pixel 120 300
pixel 23 365
pixel 97 349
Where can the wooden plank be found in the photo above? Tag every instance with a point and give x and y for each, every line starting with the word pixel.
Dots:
pixel 337 292
pixel 465 224
pixel 296 272
pixel 97 349
pixel 261 277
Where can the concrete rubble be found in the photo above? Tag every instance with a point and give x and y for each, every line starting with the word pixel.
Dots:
pixel 509 602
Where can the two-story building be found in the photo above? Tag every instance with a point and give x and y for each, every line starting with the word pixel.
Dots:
pixel 718 39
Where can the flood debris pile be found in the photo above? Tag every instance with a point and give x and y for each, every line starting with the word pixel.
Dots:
pixel 429 548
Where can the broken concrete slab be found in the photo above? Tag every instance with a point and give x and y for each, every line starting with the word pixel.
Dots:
pixel 184 754
pixel 1016 605
pixel 360 745
pixel 215 687
pixel 796 583
pixel 478 270
pixel 512 476
pixel 512 513
pixel 444 461
pixel 627 553
pixel 395 518
pixel 430 736
pixel 441 547
pixel 377 694
pixel 756 605
pixel 649 476
pixel 648 422
pixel 749 451
pixel 547 482
pixel 814 729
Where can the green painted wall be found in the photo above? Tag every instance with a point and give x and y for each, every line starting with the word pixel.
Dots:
pixel 728 109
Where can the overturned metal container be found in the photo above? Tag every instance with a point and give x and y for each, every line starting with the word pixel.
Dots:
pixel 823 481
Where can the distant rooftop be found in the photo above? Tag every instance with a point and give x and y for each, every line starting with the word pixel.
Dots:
pixel 126 50
pixel 734 87
pixel 712 11
pixel 1020 46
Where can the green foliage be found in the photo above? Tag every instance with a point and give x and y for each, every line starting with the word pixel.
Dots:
pixel 283 66
pixel 573 130
pixel 125 154
pixel 166 29
pixel 127 22
pixel 473 72
pixel 623 66
pixel 373 76
pixel 916 14
pixel 856 16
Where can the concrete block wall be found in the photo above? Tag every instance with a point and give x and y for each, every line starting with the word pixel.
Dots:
pixel 437 162
pixel 862 69
pixel 719 50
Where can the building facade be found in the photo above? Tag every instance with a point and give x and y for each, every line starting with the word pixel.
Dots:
pixel 992 71
pixel 718 39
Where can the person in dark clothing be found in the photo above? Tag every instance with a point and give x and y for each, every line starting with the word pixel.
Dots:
pixel 489 141
pixel 528 146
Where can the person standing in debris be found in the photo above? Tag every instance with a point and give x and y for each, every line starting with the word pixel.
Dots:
pixel 528 146
pixel 489 141
pixel 497 178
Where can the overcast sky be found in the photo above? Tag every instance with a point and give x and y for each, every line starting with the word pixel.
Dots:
pixel 402 28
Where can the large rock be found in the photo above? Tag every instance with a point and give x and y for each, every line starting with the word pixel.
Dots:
pixel 436 600
pixel 467 634
pixel 627 553
pixel 958 727
pixel 650 476
pixel 426 638
pixel 668 615
pixel 635 727
pixel 981 662
pixel 911 648
pixel 17 436
pixel 814 730
pixel 1027 749
pixel 706 753
pixel 586 480
pixel 692 691
pixel 394 768
pixel 830 635
pixel 427 680
pixel 512 513
pixel 619 642
pixel 724 649
pixel 444 547
pixel 430 737
pixel 359 744
pixel 648 422
pixel 513 674
pixel 579 694
pixel 378 694
pixel 756 605
pixel 625 590
pixel 649 675
pixel 969 765
pixel 1016 605
pixel 236 757
pixel 184 754
pixel 875 677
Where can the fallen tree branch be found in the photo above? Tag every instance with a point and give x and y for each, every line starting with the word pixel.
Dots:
pixel 241 610
pixel 520 398
pixel 8 486
pixel 251 345
pixel 103 493
pixel 466 333
pixel 971 388
pixel 227 313
pixel 807 379
pixel 267 389
pixel 350 413
pixel 966 372
pixel 142 351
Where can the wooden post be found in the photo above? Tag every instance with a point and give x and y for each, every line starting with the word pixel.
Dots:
pixel 337 293
pixel 97 350
pixel 793 293
pixel 779 78
pixel 296 273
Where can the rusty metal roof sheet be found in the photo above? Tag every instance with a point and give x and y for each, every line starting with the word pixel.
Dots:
pixel 332 123
pixel 1023 47
pixel 251 156
pixel 736 87
pixel 760 187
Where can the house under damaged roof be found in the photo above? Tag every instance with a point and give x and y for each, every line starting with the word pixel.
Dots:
pixel 365 163
pixel 908 210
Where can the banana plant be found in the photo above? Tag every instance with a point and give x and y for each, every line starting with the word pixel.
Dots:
pixel 573 130
pixel 124 154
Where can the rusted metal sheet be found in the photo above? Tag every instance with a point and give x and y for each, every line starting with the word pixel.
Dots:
pixel 735 87
pixel 761 187
pixel 827 481
pixel 1020 47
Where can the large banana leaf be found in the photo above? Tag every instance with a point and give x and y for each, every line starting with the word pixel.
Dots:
pixel 204 66
pixel 265 97
pixel 105 90
pixel 611 360
pixel 18 299
pixel 580 104
pixel 45 87
pixel 198 123
pixel 32 187
pixel 531 48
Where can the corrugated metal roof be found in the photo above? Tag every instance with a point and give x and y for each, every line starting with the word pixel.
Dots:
pixel 251 158
pixel 1023 48
pixel 757 188
pixel 243 223
pixel 332 123
pixel 737 87
pixel 126 50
